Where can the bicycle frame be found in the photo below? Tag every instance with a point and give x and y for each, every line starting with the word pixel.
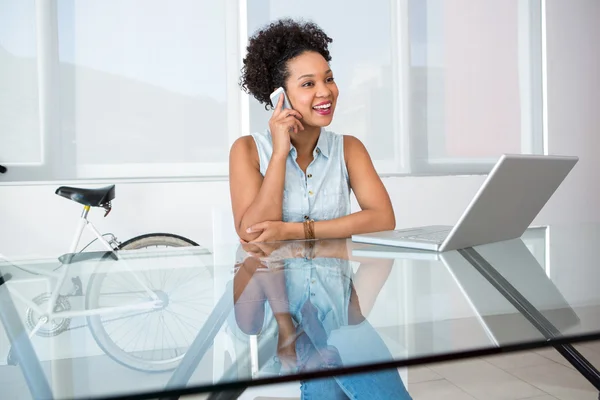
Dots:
pixel 50 313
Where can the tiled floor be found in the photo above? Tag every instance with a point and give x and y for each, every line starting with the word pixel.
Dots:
pixel 535 375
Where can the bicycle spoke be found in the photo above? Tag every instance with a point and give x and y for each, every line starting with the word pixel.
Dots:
pixel 137 293
pixel 184 319
pixel 162 336
pixel 182 325
pixel 117 328
pixel 138 283
pixel 191 296
pixel 163 277
pixel 206 309
pixel 171 325
pixel 124 277
pixel 146 341
pixel 180 278
pixel 164 325
pixel 123 298
pixel 190 304
pixel 147 280
pixel 120 288
pixel 131 314
pixel 201 292
pixel 184 281
pixel 117 302
pixel 140 327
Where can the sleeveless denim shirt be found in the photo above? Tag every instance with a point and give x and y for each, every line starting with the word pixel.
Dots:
pixel 323 192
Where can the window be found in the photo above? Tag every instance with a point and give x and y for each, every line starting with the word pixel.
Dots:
pixel 150 98
pixel 21 142
pixel 131 89
pixel 475 78
pixel 106 89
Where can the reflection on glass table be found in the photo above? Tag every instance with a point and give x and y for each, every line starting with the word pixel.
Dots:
pixel 129 310
pixel 294 311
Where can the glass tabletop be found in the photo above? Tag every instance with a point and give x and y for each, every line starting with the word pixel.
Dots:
pixel 160 322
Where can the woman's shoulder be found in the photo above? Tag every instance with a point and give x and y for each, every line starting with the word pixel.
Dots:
pixel 243 144
pixel 244 148
pixel 352 143
pixel 252 141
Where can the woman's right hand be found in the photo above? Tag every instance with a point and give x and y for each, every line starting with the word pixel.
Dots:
pixel 282 123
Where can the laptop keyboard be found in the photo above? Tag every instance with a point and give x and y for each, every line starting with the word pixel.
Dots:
pixel 434 237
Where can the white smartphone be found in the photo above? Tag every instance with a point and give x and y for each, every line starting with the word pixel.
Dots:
pixel 275 98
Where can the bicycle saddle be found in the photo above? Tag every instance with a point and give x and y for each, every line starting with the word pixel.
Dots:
pixel 88 197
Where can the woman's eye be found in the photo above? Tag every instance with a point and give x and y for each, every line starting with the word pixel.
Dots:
pixel 330 79
pixel 307 84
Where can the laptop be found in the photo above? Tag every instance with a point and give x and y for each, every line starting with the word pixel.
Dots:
pixel 513 260
pixel 504 206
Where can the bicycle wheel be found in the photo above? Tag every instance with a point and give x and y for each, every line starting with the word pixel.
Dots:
pixel 153 340
pixel 158 240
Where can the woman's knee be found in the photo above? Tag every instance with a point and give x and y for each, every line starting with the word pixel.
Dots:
pixel 250 317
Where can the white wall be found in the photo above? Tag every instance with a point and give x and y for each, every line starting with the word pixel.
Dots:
pixel 573 98
pixel 35 221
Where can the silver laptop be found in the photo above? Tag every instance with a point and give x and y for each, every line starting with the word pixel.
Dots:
pixel 505 205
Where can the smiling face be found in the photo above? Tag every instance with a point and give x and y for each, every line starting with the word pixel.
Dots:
pixel 311 89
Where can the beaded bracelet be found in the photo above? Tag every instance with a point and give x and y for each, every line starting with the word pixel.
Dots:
pixel 309 229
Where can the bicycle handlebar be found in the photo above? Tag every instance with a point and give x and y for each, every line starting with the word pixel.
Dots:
pixel 2 169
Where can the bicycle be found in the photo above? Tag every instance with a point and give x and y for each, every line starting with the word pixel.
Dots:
pixel 153 300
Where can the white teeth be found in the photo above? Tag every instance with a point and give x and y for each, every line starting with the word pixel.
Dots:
pixel 324 106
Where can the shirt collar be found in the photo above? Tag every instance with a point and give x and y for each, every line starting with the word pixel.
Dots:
pixel 322 145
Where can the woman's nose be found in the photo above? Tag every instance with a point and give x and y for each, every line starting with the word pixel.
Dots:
pixel 323 90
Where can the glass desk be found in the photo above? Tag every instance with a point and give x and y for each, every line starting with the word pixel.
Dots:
pixel 160 323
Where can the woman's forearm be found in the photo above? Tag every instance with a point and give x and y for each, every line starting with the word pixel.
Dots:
pixel 267 206
pixel 359 222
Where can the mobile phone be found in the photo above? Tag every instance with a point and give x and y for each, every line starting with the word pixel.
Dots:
pixel 275 98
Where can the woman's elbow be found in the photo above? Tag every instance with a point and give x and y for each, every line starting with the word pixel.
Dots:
pixel 389 225
pixel 389 221
pixel 240 229
pixel 245 236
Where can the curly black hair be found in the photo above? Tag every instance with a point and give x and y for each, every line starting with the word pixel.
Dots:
pixel 269 50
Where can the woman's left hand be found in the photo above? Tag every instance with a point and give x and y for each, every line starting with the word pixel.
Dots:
pixel 270 231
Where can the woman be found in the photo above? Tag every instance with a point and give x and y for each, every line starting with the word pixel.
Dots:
pixel 293 181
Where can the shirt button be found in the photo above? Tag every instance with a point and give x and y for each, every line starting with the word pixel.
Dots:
pixel 313 281
pixel 306 217
pixel 309 175
pixel 312 294
pixel 310 192
pixel 318 151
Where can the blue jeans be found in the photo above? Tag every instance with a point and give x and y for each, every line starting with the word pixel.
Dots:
pixel 316 351
pixel 378 385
